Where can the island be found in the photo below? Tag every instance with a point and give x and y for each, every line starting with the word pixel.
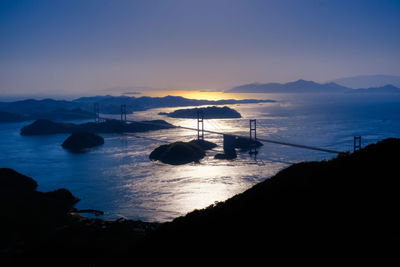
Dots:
pixel 206 145
pixel 245 143
pixel 178 153
pixel 79 141
pixel 45 127
pixel 207 113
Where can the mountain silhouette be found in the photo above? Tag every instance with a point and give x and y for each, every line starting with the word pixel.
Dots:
pixel 367 81
pixel 303 86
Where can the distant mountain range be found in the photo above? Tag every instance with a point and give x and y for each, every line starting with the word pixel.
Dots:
pixel 367 81
pixel 112 104
pixel 82 108
pixel 302 86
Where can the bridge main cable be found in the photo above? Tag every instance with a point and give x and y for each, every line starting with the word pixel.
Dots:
pixel 241 136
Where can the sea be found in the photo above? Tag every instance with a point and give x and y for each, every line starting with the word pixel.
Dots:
pixel 120 179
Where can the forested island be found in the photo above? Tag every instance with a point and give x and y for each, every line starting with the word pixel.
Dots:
pixel 79 141
pixel 178 153
pixel 207 113
pixel 348 202
pixel 44 127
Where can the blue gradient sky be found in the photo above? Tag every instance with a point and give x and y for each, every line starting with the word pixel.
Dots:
pixel 88 47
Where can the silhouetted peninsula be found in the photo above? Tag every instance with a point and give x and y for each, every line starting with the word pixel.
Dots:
pixel 81 140
pixel 82 108
pixel 45 227
pixel 44 127
pixel 12 117
pixel 303 86
pixel 178 153
pixel 208 113
pixel 59 114
pixel 349 201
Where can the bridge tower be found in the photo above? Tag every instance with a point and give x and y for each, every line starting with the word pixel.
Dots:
pixel 200 121
pixel 357 143
pixel 96 109
pixel 253 137
pixel 123 113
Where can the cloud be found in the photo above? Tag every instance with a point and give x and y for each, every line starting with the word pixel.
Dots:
pixel 132 93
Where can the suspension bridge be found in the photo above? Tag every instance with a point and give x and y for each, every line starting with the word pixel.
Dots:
pixel 252 132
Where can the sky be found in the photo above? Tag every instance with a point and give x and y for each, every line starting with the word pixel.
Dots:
pixel 94 47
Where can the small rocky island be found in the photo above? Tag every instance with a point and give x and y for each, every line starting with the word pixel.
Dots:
pixel 181 152
pixel 244 143
pixel 178 153
pixel 45 127
pixel 208 113
pixel 82 140
pixel 231 143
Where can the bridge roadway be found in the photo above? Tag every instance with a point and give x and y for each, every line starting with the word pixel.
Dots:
pixel 258 139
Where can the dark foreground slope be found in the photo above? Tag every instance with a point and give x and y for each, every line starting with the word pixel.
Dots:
pixel 350 202
pixel 43 227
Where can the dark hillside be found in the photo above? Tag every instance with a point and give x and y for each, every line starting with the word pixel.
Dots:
pixel 352 200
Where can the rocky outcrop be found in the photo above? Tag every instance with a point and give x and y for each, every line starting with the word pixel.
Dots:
pixel 231 155
pixel 12 181
pixel 246 143
pixel 178 153
pixel 44 227
pixel 206 145
pixel 82 140
pixel 23 205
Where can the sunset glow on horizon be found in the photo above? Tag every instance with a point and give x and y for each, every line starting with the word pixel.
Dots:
pixel 84 47
pixel 202 95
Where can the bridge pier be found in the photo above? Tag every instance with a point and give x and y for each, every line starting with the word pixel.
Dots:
pixel 253 137
pixel 123 113
pixel 96 109
pixel 200 121
pixel 357 143
pixel 229 146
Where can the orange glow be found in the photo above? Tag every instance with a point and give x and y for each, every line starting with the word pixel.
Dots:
pixel 201 94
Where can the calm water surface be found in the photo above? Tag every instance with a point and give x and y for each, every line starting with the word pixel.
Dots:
pixel 119 178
